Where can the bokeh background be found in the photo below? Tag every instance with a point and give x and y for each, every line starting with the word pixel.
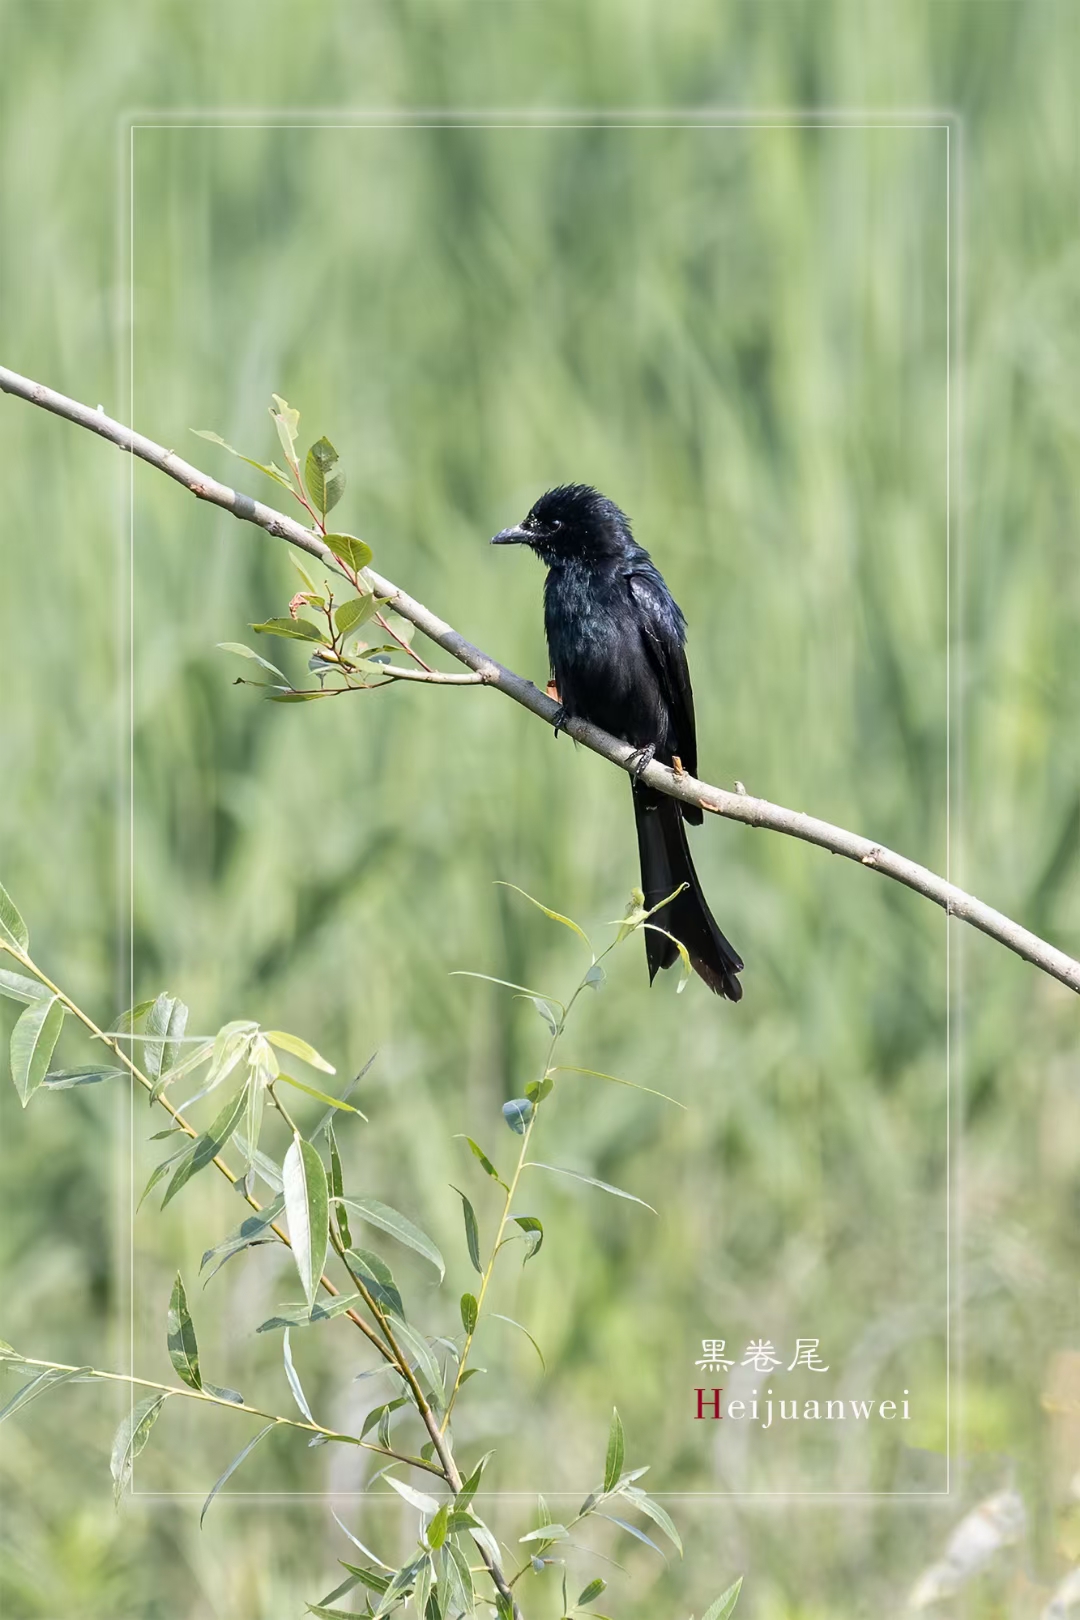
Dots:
pixel 742 334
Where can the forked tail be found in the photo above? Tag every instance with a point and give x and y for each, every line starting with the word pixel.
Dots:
pixel 665 864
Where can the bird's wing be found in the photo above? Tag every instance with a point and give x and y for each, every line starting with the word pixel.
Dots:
pixel 662 634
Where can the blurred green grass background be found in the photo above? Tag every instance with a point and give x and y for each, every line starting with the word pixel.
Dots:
pixel 740 334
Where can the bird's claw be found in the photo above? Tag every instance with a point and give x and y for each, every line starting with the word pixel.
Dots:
pixel 641 759
pixel 561 717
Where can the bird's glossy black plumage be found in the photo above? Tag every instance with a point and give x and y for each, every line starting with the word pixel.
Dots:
pixel 615 637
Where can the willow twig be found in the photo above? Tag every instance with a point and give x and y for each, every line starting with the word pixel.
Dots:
pixel 742 807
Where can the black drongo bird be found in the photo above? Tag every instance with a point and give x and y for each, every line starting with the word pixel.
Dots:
pixel 615 638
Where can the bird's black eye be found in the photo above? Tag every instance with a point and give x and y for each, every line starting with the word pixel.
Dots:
pixel 556 523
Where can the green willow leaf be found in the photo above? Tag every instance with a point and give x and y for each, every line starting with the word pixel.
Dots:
pixel 308 1315
pixel 131 1437
pixel 337 1185
pixel 526 1332
pixel 157 1023
pixel 725 1604
pixel 416 1499
pixel 373 1420
pixel 33 1041
pixel 320 1096
pixel 469 1312
pixel 377 1278
pixel 472 1232
pixel 251 1231
pixel 37 1386
pixel 632 1530
pixel 308 1210
pixel 234 1465
pixel 472 1484
pixel 556 916
pixel 592 1591
pixel 397 1226
pixel 533 1229
pixel 183 1347
pixel 206 1147
pixel 294 1379
pixel 12 927
pixel 417 1346
pixel 652 1510
pixel 479 1153
pixel 546 1013
pixel 591 1181
pixel 299 1048
pixel 19 988
pixel 616 1448
pixel 64 1079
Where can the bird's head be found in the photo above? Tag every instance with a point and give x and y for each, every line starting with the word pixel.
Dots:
pixel 571 521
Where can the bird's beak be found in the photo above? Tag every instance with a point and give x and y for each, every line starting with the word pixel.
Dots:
pixel 515 536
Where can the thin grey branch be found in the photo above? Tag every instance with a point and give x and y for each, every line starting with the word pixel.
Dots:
pixel 489 672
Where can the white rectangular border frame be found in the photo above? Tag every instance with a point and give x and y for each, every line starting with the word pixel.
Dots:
pixel 950 124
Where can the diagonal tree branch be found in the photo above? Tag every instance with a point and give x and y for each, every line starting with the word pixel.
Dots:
pixel 735 806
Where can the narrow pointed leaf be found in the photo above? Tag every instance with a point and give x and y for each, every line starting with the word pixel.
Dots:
pixel 309 1315
pixel 472 1232
pixel 157 1023
pixel 307 1208
pixel 254 1229
pixel 591 1181
pixel 19 988
pixel 64 1079
pixel 37 1386
pixel 33 1041
pixel 320 1096
pixel 479 1154
pixel 301 1049
pixel 615 1451
pixel 183 1348
pixel 294 1379
pixel 377 1278
pixel 397 1226
pixel 652 1510
pixel 234 1465
pixel 556 916
pixel 472 1484
pixel 207 1146
pixel 592 1591
pixel 416 1499
pixel 533 1228
pixel 632 1530
pixel 130 1439
pixel 469 1312
pixel 421 1352
pixel 12 927
pixel 527 1334
pixel 725 1604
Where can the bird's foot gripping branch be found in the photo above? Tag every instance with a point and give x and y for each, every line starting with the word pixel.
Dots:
pixel 456 1566
pixel 678 784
